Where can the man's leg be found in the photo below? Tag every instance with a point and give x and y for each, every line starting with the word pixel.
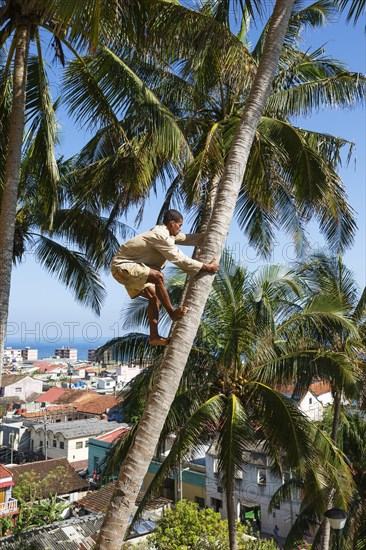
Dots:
pixel 157 278
pixel 153 315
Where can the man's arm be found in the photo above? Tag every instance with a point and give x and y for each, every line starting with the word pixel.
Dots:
pixel 166 246
pixel 192 239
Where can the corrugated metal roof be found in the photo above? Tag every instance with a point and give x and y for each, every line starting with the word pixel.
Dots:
pixel 66 535
pixel 79 428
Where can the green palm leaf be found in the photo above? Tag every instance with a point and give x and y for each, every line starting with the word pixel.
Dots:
pixel 73 270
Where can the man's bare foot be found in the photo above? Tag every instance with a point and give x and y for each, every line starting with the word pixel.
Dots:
pixel 159 341
pixel 178 313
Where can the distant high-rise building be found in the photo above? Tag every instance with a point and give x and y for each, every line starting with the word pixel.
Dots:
pixel 11 354
pixel 67 353
pixel 29 354
pixel 91 354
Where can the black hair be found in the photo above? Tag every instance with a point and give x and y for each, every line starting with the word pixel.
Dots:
pixel 172 216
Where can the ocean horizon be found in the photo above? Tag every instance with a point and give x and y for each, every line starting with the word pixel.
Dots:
pixel 46 348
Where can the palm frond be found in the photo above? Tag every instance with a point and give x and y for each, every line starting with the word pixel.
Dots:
pixel 73 270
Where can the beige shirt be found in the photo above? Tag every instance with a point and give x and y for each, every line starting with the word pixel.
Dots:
pixel 156 247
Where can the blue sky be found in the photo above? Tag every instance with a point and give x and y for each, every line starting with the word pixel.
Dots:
pixel 40 307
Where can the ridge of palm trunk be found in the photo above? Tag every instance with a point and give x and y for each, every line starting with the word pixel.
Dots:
pixel 325 539
pixel 11 179
pixel 133 470
pixel 231 516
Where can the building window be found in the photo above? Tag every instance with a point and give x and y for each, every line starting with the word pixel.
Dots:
pixel 310 400
pixel 200 501
pixel 219 489
pixel 215 466
pixel 261 476
pixel 216 504
pixel 54 443
pixel 86 443
pixel 62 445
pixel 18 390
pixel 79 444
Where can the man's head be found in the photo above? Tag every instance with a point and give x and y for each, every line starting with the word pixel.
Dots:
pixel 174 221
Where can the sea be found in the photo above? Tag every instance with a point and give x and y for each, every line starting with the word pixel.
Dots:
pixel 46 347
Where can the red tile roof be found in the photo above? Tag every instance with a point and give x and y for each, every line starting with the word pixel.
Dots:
pixel 316 388
pixel 110 437
pixel 49 367
pixel 319 388
pixel 75 396
pixel 97 501
pixel 4 472
pixel 50 395
pixel 54 410
pixel 98 405
pixel 79 465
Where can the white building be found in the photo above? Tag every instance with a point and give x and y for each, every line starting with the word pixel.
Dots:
pixel 106 384
pixel 29 354
pixel 254 488
pixel 19 355
pixel 67 439
pixel 125 373
pixel 67 353
pixel 311 401
pixel 11 354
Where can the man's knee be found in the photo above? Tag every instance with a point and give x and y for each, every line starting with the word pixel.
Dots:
pixel 156 277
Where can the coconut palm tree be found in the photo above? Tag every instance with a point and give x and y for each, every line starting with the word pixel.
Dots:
pixel 329 276
pixel 170 372
pixel 207 101
pixel 21 23
pixel 25 96
pixel 227 392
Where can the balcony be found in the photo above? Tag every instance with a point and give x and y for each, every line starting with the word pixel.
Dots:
pixel 8 507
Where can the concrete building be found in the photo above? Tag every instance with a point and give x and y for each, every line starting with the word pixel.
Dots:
pixel 29 354
pixel 91 355
pixel 19 355
pixel 310 401
pixel 189 482
pixel 67 439
pixel 254 487
pixel 19 386
pixel 12 355
pixel 106 384
pixel 125 373
pixel 99 447
pixel 67 353
pixel 14 438
pixel 8 505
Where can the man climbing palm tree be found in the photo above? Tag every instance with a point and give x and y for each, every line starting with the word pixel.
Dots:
pixel 139 261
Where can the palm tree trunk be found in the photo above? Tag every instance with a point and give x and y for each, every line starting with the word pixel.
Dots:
pixel 162 394
pixel 231 516
pixel 337 405
pixel 11 180
pixel 207 211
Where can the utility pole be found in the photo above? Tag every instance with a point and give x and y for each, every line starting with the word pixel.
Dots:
pixel 45 435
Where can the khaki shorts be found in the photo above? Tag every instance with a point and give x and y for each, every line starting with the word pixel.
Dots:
pixel 132 275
